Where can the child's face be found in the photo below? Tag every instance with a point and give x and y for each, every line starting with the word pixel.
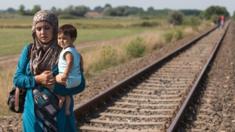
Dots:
pixel 64 40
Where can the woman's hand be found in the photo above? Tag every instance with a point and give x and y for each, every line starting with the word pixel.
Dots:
pixel 46 79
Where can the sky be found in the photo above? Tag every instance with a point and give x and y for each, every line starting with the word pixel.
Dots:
pixel 157 4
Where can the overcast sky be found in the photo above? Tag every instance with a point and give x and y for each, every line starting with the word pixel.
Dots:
pixel 157 4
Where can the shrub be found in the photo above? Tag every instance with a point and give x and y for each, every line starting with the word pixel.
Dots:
pixel 149 24
pixel 168 36
pixel 176 18
pixel 195 21
pixel 136 48
pixel 108 58
pixel 192 21
pixel 215 19
pixel 178 34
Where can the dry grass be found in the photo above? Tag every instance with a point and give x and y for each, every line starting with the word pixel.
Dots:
pixel 152 41
pixel 6 75
pixel 92 55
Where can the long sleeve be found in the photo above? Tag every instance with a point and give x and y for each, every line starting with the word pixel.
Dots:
pixel 23 77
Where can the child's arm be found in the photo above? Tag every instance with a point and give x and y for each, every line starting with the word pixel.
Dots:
pixel 69 60
pixel 61 90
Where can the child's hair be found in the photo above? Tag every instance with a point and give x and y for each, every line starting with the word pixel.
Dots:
pixel 68 30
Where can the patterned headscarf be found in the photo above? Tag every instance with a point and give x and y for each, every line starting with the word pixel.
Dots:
pixel 44 56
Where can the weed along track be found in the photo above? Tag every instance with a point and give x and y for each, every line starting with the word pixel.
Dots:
pixel 154 98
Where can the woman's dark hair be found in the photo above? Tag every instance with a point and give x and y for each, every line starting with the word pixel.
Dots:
pixel 68 30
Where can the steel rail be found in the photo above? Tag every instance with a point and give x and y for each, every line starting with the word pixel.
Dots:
pixel 84 108
pixel 174 124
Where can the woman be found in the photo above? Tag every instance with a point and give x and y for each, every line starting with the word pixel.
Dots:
pixel 36 69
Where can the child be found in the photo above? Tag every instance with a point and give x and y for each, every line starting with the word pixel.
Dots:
pixel 70 61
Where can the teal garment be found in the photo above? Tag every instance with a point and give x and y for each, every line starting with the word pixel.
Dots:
pixel 24 79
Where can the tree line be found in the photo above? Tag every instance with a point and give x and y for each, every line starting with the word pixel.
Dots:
pixel 107 10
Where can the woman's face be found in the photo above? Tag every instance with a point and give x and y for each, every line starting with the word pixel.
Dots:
pixel 44 32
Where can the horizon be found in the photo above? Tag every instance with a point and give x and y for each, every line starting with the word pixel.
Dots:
pixel 158 4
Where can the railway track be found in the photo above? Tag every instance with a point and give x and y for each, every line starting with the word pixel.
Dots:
pixel 155 97
pixel 214 111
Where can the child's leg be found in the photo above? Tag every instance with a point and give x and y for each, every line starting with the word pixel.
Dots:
pixel 67 105
pixel 61 100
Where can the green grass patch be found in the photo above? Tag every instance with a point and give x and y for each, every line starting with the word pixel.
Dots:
pixel 13 39
pixel 85 35
pixel 178 34
pixel 109 22
pixel 168 36
pixel 22 20
pixel 108 57
pixel 136 48
pixel 173 34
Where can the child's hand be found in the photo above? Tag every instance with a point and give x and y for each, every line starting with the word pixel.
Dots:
pixel 60 80
pixel 64 77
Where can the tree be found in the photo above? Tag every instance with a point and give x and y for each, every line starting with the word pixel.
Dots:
pixel 36 8
pixel 98 9
pixel 53 9
pixel 191 12
pixel 69 9
pixel 134 10
pixel 56 11
pixel 107 6
pixel 234 15
pixel 108 11
pixel 76 11
pixel 21 10
pixel 80 11
pixel 123 11
pixel 176 18
pixel 150 10
pixel 11 10
pixel 215 11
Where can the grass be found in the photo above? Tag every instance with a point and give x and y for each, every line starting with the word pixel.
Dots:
pixel 136 48
pixel 13 39
pixel 25 21
pixel 6 75
pixel 96 58
pixel 105 33
pixel 116 22
pixel 16 32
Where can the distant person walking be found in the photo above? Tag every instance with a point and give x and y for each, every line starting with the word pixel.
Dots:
pixel 221 21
